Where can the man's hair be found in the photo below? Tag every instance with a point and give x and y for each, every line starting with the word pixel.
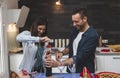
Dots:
pixel 82 11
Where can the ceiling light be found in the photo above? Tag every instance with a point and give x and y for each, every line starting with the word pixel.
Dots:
pixel 58 2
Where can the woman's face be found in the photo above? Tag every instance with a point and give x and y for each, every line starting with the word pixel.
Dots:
pixel 41 29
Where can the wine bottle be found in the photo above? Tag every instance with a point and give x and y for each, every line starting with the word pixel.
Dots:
pixel 48 69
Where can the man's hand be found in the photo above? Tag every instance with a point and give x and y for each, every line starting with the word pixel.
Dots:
pixel 51 63
pixel 59 55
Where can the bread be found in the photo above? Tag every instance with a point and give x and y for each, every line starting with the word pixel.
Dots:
pixel 115 48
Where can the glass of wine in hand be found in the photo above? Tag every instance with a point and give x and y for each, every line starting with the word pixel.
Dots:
pixel 72 69
pixel 61 68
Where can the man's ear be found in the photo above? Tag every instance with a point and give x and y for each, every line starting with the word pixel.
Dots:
pixel 85 18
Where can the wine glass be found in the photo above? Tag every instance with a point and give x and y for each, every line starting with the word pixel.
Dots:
pixel 61 67
pixel 72 69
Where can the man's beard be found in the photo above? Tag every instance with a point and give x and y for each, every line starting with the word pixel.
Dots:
pixel 81 27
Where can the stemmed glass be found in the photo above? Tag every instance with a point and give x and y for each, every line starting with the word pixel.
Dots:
pixel 61 67
pixel 72 69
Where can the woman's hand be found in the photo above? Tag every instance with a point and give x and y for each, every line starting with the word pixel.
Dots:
pixel 45 39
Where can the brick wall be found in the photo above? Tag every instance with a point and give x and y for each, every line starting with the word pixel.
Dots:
pixel 104 15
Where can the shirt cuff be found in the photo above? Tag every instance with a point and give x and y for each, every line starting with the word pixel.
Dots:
pixel 74 59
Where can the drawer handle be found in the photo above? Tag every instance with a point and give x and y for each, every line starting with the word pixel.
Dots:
pixel 116 57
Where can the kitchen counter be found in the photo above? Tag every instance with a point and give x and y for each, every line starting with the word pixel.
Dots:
pixel 16 50
pixel 105 51
pixel 108 53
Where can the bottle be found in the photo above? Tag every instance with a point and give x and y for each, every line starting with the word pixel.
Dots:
pixel 100 41
pixel 48 69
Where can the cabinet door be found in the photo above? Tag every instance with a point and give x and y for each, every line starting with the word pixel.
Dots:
pixel 15 60
pixel 112 63
pixel 100 63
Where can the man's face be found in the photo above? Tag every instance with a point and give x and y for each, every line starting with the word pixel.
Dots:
pixel 78 22
pixel 41 29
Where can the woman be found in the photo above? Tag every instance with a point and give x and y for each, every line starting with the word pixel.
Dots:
pixel 33 46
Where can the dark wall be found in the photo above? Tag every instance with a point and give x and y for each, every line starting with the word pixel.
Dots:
pixel 104 16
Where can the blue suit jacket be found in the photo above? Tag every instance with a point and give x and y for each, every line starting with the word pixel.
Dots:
pixel 86 49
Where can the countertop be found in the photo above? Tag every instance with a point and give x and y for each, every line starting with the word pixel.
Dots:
pixel 16 50
pixel 105 51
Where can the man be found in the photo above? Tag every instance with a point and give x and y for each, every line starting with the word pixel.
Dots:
pixel 83 42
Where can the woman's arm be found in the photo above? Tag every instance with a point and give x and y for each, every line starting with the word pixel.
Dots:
pixel 26 36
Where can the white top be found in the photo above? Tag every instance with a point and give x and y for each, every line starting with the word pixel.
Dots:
pixel 29 49
pixel 76 41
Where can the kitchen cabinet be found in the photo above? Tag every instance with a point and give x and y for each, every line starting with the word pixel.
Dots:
pixel 108 62
pixel 15 60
